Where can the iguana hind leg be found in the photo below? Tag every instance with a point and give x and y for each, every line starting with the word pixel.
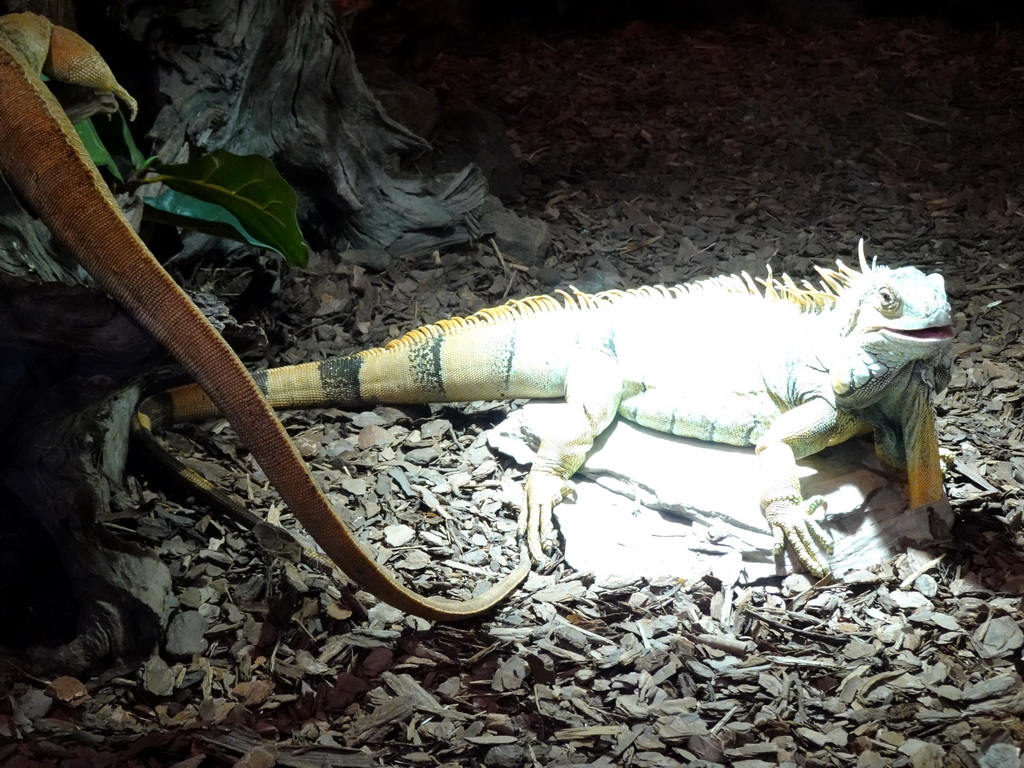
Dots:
pixel 61 54
pixel 593 388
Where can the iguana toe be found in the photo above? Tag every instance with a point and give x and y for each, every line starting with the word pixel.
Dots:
pixel 543 491
pixel 793 523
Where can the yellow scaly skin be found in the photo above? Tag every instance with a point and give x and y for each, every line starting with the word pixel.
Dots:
pixel 43 158
pixel 784 369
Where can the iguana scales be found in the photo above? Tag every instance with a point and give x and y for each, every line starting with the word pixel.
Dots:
pixel 784 368
pixel 44 160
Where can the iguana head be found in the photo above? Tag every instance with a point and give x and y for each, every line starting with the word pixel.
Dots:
pixel 889 318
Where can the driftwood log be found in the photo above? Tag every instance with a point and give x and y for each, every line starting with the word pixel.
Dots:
pixel 275 78
pixel 278 79
pixel 68 354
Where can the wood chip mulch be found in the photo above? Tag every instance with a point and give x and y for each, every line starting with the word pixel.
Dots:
pixel 655 154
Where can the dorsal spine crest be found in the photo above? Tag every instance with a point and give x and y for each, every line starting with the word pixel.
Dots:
pixel 808 297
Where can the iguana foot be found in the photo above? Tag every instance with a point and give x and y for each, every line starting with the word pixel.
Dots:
pixel 790 520
pixel 946 458
pixel 543 491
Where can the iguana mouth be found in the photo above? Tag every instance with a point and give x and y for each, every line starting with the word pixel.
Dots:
pixel 932 333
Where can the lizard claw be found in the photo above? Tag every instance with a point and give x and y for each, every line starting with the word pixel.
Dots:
pixel 793 523
pixel 536 524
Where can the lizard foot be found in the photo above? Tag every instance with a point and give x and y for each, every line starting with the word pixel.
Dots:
pixel 536 524
pixel 792 522
pixel 946 458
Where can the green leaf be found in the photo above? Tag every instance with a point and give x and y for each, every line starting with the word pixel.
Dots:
pixel 250 189
pixel 113 131
pixel 96 148
pixel 187 212
pixel 139 161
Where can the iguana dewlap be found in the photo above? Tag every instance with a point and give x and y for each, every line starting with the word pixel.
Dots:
pixel 787 370
pixel 43 158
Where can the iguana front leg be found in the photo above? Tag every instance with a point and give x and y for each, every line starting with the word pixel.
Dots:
pixel 800 432
pixel 914 450
pixel 593 389
pixel 924 464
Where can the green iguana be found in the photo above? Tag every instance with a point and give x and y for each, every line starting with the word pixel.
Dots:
pixel 44 160
pixel 786 369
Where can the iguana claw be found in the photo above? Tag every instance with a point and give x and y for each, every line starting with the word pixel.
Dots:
pixel 792 522
pixel 543 491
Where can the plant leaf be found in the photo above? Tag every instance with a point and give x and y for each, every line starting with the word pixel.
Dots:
pixel 96 148
pixel 250 189
pixel 139 161
pixel 187 212
pixel 113 131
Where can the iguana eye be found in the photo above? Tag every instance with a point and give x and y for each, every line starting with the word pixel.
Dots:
pixel 888 300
